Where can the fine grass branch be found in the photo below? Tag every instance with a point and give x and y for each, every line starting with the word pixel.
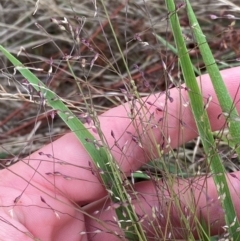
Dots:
pixel 108 169
pixel 199 110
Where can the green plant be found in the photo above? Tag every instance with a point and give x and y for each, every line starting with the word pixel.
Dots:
pixel 199 110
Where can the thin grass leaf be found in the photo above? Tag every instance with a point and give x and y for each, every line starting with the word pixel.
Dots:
pixel 220 88
pixel 109 170
pixel 56 103
pixel 202 121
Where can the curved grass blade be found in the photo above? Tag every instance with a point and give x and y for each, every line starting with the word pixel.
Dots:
pixel 224 98
pixel 109 171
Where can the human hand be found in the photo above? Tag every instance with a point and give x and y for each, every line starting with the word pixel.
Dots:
pixel 38 205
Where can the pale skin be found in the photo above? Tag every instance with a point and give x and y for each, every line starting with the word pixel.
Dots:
pixel 56 217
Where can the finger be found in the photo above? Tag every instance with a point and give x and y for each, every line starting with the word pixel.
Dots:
pixel 38 216
pixel 132 155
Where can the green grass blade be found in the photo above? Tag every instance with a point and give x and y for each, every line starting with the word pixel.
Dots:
pixel 109 170
pixel 202 122
pixel 221 91
pixel 62 110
